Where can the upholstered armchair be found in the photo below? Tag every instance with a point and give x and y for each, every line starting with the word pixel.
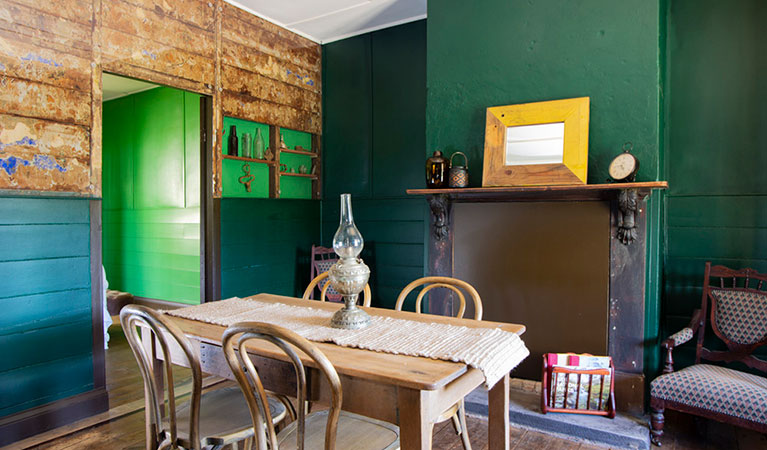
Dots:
pixel 738 316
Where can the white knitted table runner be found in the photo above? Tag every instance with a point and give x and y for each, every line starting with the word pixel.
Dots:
pixel 493 351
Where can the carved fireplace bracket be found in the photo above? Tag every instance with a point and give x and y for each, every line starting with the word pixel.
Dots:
pixel 628 201
pixel 439 214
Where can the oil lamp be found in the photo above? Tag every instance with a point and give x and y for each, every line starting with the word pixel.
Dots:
pixel 349 275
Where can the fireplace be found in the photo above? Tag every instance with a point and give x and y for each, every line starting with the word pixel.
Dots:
pixel 566 261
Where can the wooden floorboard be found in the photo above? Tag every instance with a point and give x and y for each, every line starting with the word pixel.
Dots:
pixel 125 430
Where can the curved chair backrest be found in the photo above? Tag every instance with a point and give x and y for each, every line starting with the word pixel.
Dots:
pixel 236 337
pixel 166 336
pixel 453 284
pixel 318 279
pixel 738 305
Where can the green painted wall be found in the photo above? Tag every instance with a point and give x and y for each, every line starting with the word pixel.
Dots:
pixel 717 152
pixel 501 52
pixel 45 296
pixel 265 245
pixel 374 93
pixel 151 207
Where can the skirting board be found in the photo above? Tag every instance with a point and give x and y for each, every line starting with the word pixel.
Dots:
pixel 52 415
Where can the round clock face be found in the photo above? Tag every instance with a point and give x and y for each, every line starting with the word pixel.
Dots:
pixel 623 166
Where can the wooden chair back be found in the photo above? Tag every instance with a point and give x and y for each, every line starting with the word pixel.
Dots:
pixel 168 337
pixel 366 294
pixel 738 315
pixel 453 284
pixel 236 337
pixel 322 259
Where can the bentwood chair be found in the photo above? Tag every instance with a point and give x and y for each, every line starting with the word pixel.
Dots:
pixel 457 412
pixel 328 429
pixel 317 281
pixel 216 418
pixel 323 259
pixel 738 319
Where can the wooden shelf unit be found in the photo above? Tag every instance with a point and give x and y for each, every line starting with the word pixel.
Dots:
pixel 274 174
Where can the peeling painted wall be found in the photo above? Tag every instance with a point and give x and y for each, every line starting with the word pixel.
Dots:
pixel 52 55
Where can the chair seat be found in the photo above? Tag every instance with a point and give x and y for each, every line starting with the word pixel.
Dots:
pixel 717 389
pixel 354 432
pixel 224 417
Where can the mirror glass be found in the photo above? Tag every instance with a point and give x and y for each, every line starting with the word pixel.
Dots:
pixel 535 144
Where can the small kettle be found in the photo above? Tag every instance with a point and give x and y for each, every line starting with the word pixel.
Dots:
pixel 458 177
pixel 436 170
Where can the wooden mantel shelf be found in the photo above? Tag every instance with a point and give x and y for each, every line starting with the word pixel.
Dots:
pixel 578 192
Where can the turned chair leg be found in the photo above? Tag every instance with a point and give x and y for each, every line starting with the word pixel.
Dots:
pixel 464 428
pixel 456 423
pixel 656 428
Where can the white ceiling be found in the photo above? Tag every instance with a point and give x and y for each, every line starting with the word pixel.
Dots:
pixel 326 21
pixel 116 87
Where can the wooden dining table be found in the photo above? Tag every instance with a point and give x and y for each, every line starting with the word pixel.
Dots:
pixel 405 390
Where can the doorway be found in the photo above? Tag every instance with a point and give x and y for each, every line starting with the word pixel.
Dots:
pixel 153 158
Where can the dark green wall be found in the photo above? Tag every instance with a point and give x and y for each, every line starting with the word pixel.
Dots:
pixel 45 298
pixel 501 52
pixel 374 94
pixel 717 152
pixel 265 245
pixel 151 208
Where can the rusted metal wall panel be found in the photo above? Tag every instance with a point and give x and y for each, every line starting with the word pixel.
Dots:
pixel 249 58
pixel 72 10
pixel 246 107
pixel 244 82
pixel 269 74
pixel 245 28
pixel 43 155
pixel 27 61
pixel 125 50
pixel 52 55
pixel 158 27
pixel 194 12
pixel 43 24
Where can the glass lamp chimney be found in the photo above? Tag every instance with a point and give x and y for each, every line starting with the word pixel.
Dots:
pixel 347 242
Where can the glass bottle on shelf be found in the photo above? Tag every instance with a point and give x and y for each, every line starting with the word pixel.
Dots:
pixel 258 145
pixel 233 142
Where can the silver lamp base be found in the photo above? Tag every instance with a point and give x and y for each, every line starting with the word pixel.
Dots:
pixel 350 318
pixel 348 277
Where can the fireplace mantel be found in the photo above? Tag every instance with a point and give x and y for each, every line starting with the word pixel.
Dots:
pixel 628 218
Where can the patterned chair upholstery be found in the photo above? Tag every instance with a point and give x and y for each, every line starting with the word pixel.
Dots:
pixel 738 316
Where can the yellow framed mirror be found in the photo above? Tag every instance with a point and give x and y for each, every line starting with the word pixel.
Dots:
pixel 543 143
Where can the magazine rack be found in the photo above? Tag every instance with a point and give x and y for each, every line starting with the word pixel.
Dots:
pixel 563 388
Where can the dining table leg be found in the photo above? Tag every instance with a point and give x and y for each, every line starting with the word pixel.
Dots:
pixel 415 425
pixel 498 415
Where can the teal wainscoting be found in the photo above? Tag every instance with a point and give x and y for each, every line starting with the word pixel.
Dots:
pixel 45 299
pixel 266 244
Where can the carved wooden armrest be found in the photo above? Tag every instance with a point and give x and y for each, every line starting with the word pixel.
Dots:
pixel 680 338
